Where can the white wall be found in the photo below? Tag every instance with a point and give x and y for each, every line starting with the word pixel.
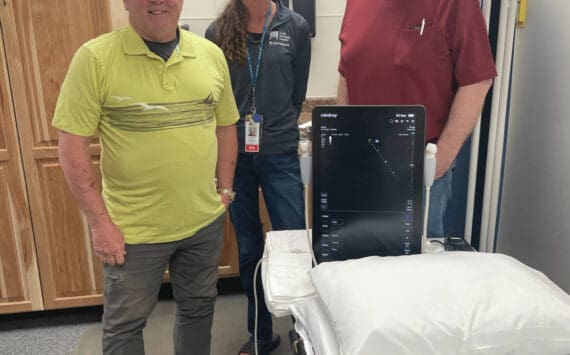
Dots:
pixel 534 223
pixel 198 14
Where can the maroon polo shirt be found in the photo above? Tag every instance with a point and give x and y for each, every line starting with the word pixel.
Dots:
pixel 408 52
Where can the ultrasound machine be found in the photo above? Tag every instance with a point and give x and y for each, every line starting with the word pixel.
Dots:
pixel 368 166
pixel 371 178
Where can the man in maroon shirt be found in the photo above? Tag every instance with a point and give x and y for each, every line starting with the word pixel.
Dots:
pixel 434 53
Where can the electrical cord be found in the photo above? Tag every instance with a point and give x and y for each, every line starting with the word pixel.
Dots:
pixel 438 242
pixel 306 175
pixel 305 163
pixel 309 237
pixel 255 340
pixel 426 214
pixel 429 175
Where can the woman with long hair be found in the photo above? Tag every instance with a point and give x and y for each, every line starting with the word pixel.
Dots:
pixel 268 50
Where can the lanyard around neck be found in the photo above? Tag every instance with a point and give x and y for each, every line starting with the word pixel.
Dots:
pixel 253 75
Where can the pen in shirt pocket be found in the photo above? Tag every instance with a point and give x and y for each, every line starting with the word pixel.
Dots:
pixel 420 27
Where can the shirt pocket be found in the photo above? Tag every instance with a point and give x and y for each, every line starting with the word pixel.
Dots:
pixel 426 51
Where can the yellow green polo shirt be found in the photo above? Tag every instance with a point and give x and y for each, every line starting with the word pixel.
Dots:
pixel 157 122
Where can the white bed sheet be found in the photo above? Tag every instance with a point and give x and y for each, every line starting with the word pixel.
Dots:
pixel 445 304
pixel 315 327
pixel 289 291
pixel 284 271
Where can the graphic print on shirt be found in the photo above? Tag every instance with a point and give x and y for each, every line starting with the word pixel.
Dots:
pixel 142 116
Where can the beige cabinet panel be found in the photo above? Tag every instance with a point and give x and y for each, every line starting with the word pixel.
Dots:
pixel 41 38
pixel 229 264
pixel 19 276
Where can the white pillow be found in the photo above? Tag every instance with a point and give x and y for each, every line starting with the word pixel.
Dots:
pixel 447 303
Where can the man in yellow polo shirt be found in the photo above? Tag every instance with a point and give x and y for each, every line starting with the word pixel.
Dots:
pixel 161 100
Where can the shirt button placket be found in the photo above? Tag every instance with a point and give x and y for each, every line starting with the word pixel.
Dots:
pixel 168 82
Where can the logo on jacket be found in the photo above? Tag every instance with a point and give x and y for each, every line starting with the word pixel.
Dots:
pixel 278 38
pixel 274 35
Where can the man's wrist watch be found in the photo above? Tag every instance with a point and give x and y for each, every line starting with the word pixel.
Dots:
pixel 229 193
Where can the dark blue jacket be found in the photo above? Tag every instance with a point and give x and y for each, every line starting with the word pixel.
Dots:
pixel 282 82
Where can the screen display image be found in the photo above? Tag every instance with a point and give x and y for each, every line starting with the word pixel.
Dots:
pixel 367 181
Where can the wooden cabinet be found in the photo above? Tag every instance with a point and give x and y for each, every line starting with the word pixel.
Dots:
pixel 19 276
pixel 39 39
pixel 229 263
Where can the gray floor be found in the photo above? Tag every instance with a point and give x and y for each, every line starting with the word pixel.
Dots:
pixel 79 332
pixel 56 333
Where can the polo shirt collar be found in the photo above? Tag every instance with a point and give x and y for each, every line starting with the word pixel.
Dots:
pixel 133 43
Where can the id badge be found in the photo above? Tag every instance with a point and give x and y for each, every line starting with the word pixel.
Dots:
pixel 253 132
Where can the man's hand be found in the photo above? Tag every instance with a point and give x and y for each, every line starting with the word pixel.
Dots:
pixel 225 200
pixel 444 161
pixel 463 116
pixel 108 243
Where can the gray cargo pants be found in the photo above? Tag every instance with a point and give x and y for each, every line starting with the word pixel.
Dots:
pixel 131 292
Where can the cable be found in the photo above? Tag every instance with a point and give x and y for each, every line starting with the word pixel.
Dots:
pixel 309 237
pixel 438 242
pixel 426 214
pixel 256 306
pixel 306 175
pixel 309 241
pixel 305 163
pixel 429 175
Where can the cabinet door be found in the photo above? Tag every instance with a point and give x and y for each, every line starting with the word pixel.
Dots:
pixel 40 39
pixel 19 277
pixel 228 264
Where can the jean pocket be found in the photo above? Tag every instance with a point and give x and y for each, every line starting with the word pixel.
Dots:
pixel 113 279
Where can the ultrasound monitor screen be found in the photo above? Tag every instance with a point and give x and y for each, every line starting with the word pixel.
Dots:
pixel 367 181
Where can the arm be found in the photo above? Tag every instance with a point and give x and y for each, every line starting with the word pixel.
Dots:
pixel 108 241
pixel 227 157
pixel 342 91
pixel 463 116
pixel 301 64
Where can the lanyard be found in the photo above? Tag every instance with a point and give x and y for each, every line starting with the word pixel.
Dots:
pixel 253 75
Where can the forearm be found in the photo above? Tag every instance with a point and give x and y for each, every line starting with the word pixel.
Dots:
pixel 342 91
pixel 77 167
pixel 227 155
pixel 75 160
pixel 301 64
pixel 463 116
pixel 300 93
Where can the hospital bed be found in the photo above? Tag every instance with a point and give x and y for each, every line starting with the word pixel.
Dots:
pixel 440 303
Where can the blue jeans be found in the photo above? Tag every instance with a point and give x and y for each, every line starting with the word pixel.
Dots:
pixel 280 179
pixel 440 194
